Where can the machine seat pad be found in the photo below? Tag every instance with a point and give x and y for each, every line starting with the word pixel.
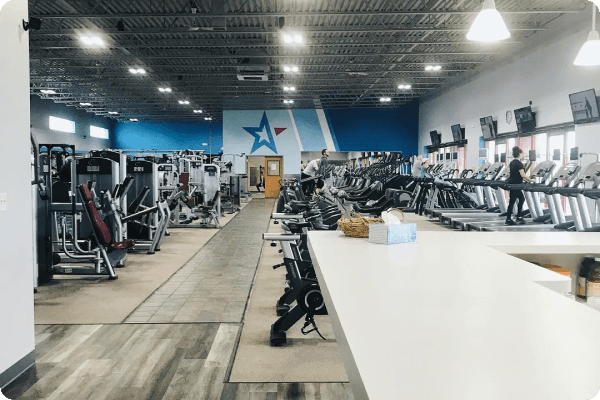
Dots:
pixel 126 244
pixel 298 226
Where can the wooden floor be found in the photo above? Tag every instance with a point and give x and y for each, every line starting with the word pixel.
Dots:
pixel 159 359
pixel 148 361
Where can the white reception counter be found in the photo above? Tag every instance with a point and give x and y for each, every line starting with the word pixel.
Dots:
pixel 453 316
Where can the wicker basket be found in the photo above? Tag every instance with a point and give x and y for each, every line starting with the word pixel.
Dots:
pixel 398 213
pixel 355 225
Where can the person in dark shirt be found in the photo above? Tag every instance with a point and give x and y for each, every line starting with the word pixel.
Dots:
pixel 517 175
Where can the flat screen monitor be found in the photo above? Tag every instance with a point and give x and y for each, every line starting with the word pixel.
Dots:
pixel 455 155
pixel 457 135
pixel 525 119
pixel 503 157
pixel 487 127
pixel 448 156
pixel 556 155
pixel 435 138
pixel 574 154
pixel 584 106
pixel 496 158
pixel 532 155
pixel 483 153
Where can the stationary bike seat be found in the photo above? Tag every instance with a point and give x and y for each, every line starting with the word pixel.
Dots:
pixel 296 227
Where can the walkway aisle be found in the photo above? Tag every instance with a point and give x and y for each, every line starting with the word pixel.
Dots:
pixel 214 285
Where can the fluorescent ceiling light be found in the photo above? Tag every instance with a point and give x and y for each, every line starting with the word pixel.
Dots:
pixel 137 70
pixel 48 91
pixel 113 112
pixel 184 102
pixel 288 101
pixel 207 118
pixel 197 111
pixel 85 104
pixel 589 54
pixel 488 25
pixel 167 90
pixel 404 86
pixel 433 68
pixel 293 38
pixel 133 119
pixel 385 99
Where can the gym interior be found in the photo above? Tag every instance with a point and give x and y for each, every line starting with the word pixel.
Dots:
pixel 309 199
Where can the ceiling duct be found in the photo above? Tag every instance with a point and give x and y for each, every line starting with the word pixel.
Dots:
pixel 219 23
pixel 253 65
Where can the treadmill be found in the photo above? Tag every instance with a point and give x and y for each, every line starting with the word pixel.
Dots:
pixel 479 196
pixel 447 217
pixel 541 220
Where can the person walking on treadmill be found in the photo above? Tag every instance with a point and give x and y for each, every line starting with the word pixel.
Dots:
pixel 517 175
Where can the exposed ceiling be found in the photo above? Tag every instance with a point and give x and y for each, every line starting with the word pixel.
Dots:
pixel 354 52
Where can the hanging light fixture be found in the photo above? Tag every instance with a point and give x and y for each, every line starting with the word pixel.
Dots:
pixel 589 55
pixel 488 25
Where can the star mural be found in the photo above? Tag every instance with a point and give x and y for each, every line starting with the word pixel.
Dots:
pixel 263 136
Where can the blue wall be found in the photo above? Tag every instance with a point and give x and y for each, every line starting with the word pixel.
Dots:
pixel 169 135
pixel 42 109
pixel 376 129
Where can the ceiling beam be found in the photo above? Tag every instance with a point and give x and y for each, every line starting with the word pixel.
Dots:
pixel 261 31
pixel 312 14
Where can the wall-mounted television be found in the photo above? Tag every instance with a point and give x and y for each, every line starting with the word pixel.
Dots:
pixel 448 156
pixel 584 106
pixel 525 119
pixel 496 158
pixel 532 155
pixel 503 157
pixel 457 133
pixel 455 155
pixel 435 138
pixel 556 155
pixel 483 153
pixel 488 127
pixel 574 154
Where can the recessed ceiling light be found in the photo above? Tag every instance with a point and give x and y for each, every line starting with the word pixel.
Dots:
pixel 197 111
pixel 113 113
pixel 48 91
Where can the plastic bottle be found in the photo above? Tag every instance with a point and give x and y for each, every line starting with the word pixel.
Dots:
pixel 584 271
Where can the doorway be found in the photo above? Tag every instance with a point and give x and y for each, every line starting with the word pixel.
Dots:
pixel 255 166
pixel 273 176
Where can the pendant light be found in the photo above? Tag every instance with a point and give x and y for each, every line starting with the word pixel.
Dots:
pixel 488 25
pixel 589 55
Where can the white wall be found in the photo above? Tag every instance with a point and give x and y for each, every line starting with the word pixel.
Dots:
pixel 542 72
pixel 16 238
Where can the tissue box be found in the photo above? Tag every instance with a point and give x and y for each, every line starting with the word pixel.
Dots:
pixel 390 234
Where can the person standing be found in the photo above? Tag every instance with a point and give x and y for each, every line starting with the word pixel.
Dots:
pixel 261 179
pixel 309 172
pixel 417 167
pixel 323 164
pixel 517 175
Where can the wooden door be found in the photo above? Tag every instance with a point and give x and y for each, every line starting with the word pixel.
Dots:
pixel 273 176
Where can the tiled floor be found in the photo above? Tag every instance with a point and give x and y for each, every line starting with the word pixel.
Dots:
pixel 215 284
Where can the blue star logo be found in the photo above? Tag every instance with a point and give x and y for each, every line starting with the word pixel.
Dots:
pixel 262 135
